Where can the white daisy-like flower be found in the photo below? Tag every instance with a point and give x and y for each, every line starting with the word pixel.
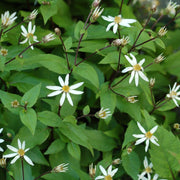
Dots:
pixel 146 136
pixel 19 153
pixel 1 140
pixel 60 168
pixel 155 177
pixel 33 14
pixel 96 13
pixel 7 19
pixel 65 89
pixel 4 52
pixel 103 113
pixel 117 20
pixel 136 69
pixel 171 8
pixel 29 35
pixel 132 99
pixel 147 170
pixel 107 175
pixel 173 94
pixel 48 37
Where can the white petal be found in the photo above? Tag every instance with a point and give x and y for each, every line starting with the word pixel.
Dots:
pixel 176 89
pixel 115 28
pixel 127 69
pixel 75 86
pixel 143 76
pixel 140 141
pixel 1 140
pixel 107 18
pixel 129 60
pixel 62 99
pixel 99 177
pixel 1 130
pixel 66 80
pixel 19 144
pixel 124 23
pixel 175 102
pixel 1 149
pixel 26 149
pixel 150 165
pixel 153 130
pixel 15 159
pixel 177 98
pixel 109 26
pixel 145 162
pixel 109 170
pixel 55 88
pixel 134 61
pixel 147 145
pixel 141 128
pixel 61 81
pixel 114 172
pixel 24 29
pixel 25 41
pixel 54 93
pixel 29 27
pixel 75 92
pixel 136 78
pixel 139 135
pixel 141 62
pixel 174 86
pixel 33 30
pixel 12 148
pixel 10 155
pixel 28 160
pixel 103 170
pixel 149 176
pixel 132 76
pixel 154 142
pixel 69 99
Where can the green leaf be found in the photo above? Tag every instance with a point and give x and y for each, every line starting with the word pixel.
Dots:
pixel 86 110
pixel 29 119
pixel 31 96
pixel 55 147
pixel 77 29
pixel 74 150
pixel 68 43
pixel 49 118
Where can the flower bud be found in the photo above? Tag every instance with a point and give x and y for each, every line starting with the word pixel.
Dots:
pixel 95 3
pixel 116 161
pixel 152 82
pixel 33 14
pixel 159 59
pixel 57 31
pixel 97 12
pixel 129 150
pixel 131 99
pixel 4 52
pixel 176 126
pixel 92 171
pixel 162 31
pixel 48 37
pixel 3 162
pixel 60 168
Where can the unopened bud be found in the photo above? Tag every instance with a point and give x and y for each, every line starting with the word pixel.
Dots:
pixel 3 162
pixel 176 126
pixel 95 3
pixel 159 59
pixel 92 170
pixel 152 82
pixel 15 103
pixel 57 31
pixel 129 150
pixel 9 135
pixel 116 161
pixel 162 31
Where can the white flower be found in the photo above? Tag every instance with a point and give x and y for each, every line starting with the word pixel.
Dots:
pixel 173 94
pixel 7 19
pixel 159 59
pixel 1 140
pixel 65 89
pixel 97 12
pixel 121 42
pixel 146 136
pixel 171 8
pixel 103 113
pixel 60 168
pixel 48 37
pixel 147 170
pixel 132 99
pixel 33 14
pixel 136 69
pixel 29 35
pixel 92 170
pixel 162 31
pixel 155 177
pixel 19 153
pixel 107 175
pixel 117 20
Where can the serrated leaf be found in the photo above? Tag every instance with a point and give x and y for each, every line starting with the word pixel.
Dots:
pixel 29 119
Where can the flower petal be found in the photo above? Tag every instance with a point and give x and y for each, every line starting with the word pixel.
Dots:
pixel 103 170
pixel 10 155
pixel 75 92
pixel 12 148
pixel 132 76
pixel 136 78
pixel 28 160
pixel 154 142
pixel 55 88
pixel 69 99
pixel 115 28
pixel 127 69
pixel 139 135
pixel 24 29
pixel 75 86
pixel 175 102
pixel 129 60
pixel 143 76
pixel 141 128
pixel 114 172
pixel 19 144
pixel 61 81
pixel 109 170
pixel 140 141
pixel 134 61
pixel 153 130
pixel 66 83
pixel 54 93
pixel 62 99
pixel 99 177
pixel 29 27
pixel 25 41
pixel 15 159
pixel 145 162
pixel 109 19
pixel 141 62
pixel 109 26
pixel 147 145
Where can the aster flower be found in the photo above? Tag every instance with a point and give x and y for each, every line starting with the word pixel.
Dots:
pixel 136 69
pixel 65 89
pixel 1 140
pixel 29 35
pixel 7 19
pixel 117 20
pixel 92 170
pixel 162 31
pixel 176 126
pixel 159 59
pixel 97 12
pixel 147 170
pixel 121 42
pixel 107 174
pixel 4 52
pixel 146 136
pixel 171 8
pixel 103 113
pixel 48 37
pixel 60 168
pixel 132 99
pixel 155 177
pixel 173 94
pixel 19 153
pixel 33 14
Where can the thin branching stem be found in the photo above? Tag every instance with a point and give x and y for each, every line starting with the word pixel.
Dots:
pixel 117 93
pixel 119 59
pixel 160 17
pixel 59 109
pixel 47 172
pixel 87 115
pixel 22 165
pixel 120 9
pixel 1 33
pixel 152 97
pixel 22 52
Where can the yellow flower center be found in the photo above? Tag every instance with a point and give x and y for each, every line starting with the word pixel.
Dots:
pixel 173 93
pixel 21 152
pixel 4 52
pixel 108 177
pixel 148 134
pixel 131 99
pixel 148 170
pixel 29 35
pixel 65 88
pixel 137 67
pixel 117 19
pixel 102 114
pixel 15 103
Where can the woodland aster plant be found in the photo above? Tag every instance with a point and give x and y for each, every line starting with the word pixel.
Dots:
pixel 60 168
pixel 19 153
pixel 103 113
pixel 117 21
pixel 146 136
pixel 1 140
pixel 136 69
pixel 173 94
pixel 147 170
pixel 107 175
pixel 65 89
pixel 29 35
pixel 7 19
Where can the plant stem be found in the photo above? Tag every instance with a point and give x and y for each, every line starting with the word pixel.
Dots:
pixel 1 33
pixel 22 164
pixel 87 115
pixel 160 17
pixel 65 51
pixel 120 9
pixel 152 96
pixel 117 93
pixel 93 54
pixel 81 37
pixel 22 52
pixel 9 173
pixel 47 172
pixel 118 67
pixel 134 45
pixel 88 18
pixel 59 108
pixel 148 65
